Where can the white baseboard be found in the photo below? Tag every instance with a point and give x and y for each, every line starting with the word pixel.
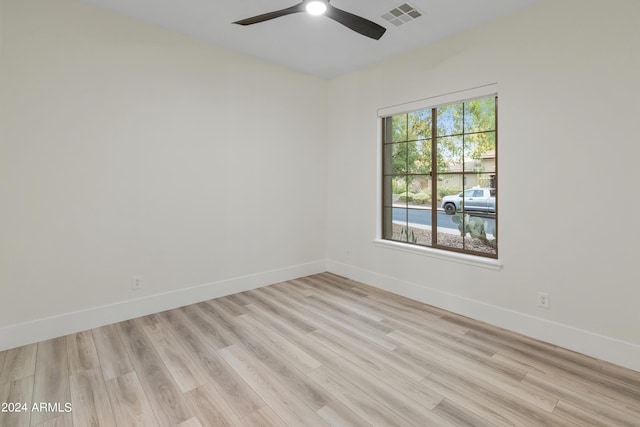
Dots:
pixel 612 350
pixel 68 323
pixel 605 348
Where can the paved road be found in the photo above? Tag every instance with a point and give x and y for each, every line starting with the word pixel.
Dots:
pixel 423 216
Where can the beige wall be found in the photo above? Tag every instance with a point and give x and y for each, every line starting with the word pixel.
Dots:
pixel 567 74
pixel 129 150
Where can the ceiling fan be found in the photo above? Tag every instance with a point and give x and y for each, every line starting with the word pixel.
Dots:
pixel 320 7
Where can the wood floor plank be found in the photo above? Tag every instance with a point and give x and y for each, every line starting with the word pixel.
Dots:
pixel 20 392
pixel 383 381
pixel 472 401
pixel 332 359
pixel 51 380
pixel 91 404
pixel 458 415
pixel 211 408
pixel 269 357
pixel 286 372
pixel 344 315
pixel 191 422
pixel 620 374
pixel 65 420
pixel 322 318
pixel 113 356
pixel 164 395
pixel 185 372
pixel 356 399
pixel 579 371
pixel 486 370
pixel 220 314
pixel 336 414
pixel 264 416
pixel 231 306
pixel 315 351
pixel 579 416
pixel 293 354
pixel 409 338
pixel 18 363
pixel 374 401
pixel 512 407
pixel 237 393
pixel 217 336
pixel 341 299
pixel 263 300
pixel 81 352
pixel 129 402
pixel 617 414
pixel 283 401
pixel 3 356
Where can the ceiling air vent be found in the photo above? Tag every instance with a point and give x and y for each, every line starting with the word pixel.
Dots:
pixel 402 14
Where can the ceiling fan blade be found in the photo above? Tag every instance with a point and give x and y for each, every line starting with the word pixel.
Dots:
pixel 356 23
pixel 271 15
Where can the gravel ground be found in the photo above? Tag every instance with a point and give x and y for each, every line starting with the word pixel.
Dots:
pixel 423 236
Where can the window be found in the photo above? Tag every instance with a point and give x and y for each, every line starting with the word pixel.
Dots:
pixel 439 172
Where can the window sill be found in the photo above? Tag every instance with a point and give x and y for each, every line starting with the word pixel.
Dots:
pixel 476 261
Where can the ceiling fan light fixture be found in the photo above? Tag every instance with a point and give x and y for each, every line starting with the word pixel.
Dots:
pixel 316 7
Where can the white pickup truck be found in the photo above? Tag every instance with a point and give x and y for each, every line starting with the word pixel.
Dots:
pixel 475 199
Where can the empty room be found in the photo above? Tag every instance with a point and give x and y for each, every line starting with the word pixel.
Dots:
pixel 319 213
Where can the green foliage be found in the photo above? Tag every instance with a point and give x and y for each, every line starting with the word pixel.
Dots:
pixel 408 142
pixel 411 151
pixel 480 116
pixel 475 227
pixel 447 191
pixel 408 235
pixel 421 198
pixel 398 187
pixel 406 196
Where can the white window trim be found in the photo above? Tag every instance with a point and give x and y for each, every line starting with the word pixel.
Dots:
pixel 431 102
pixel 474 260
pixel 439 100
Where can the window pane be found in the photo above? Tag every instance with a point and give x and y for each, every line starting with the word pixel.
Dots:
pixel 395 128
pixel 395 158
pixel 420 188
pixel 479 233
pixel 480 151
pixel 419 123
pixel 450 119
pixel 480 180
pixel 464 172
pixel 418 230
pixel 419 156
pixel 449 187
pixel 448 232
pixel 480 115
pixel 394 187
pixel 470 181
pixel 450 151
pixel 398 223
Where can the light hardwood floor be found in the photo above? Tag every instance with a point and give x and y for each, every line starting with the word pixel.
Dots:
pixel 317 351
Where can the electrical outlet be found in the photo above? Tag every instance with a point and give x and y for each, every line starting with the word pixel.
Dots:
pixel 543 299
pixel 136 282
pixel 348 253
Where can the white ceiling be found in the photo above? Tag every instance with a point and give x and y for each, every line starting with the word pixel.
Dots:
pixel 314 45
